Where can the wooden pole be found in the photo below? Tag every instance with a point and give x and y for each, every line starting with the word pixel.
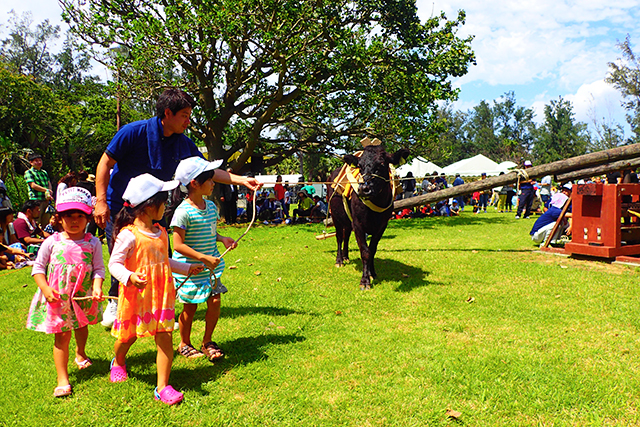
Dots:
pixel 559 167
pixel 599 170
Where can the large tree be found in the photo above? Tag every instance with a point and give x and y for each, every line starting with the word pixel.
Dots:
pixel 624 75
pixel 560 136
pixel 340 69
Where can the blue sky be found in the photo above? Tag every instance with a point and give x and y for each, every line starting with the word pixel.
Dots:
pixel 538 49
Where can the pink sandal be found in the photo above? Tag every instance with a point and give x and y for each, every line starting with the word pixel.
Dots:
pixel 168 395
pixel 62 391
pixel 118 373
pixel 84 364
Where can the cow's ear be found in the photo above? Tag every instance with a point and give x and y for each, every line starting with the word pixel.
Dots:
pixel 399 155
pixel 351 160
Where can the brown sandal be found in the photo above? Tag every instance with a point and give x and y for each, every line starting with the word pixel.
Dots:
pixel 212 351
pixel 190 352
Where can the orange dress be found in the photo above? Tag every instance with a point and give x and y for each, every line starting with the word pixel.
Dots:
pixel 143 313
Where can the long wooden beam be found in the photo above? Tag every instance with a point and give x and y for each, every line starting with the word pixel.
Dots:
pixel 559 167
pixel 599 170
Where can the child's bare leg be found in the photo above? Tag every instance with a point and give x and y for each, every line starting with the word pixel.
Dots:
pixel 164 343
pixel 121 349
pixel 61 356
pixel 81 335
pixel 186 321
pixel 211 318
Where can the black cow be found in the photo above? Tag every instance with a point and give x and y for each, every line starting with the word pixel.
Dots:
pixel 375 187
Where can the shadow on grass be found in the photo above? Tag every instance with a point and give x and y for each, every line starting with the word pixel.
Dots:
pixel 235 312
pixel 452 221
pixel 410 276
pixel 241 351
pixel 457 250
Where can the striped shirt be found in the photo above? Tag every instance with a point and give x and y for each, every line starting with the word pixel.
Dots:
pixel 38 177
pixel 200 226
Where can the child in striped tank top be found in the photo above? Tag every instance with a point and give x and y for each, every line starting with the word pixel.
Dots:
pixel 195 238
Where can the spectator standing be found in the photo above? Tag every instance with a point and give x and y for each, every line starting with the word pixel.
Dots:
pixel 408 185
pixel 484 197
pixel 280 191
pixel 459 199
pixel 229 201
pixel 39 186
pixel 545 190
pixel 527 193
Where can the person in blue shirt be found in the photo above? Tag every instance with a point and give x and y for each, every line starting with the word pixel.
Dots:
pixel 545 223
pixel 155 146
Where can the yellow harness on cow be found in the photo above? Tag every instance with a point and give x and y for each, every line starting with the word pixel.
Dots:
pixel 348 180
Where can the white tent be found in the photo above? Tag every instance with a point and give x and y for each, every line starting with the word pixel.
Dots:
pixel 270 180
pixel 475 166
pixel 419 167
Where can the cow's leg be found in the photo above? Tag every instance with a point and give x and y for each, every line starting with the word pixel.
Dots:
pixel 345 249
pixel 365 281
pixel 339 239
pixel 373 248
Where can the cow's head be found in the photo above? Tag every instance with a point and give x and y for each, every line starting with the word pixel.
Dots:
pixel 374 168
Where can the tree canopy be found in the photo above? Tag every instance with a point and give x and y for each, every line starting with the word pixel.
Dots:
pixel 624 75
pixel 339 70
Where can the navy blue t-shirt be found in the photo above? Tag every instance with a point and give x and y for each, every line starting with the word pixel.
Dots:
pixel 140 147
pixel 550 216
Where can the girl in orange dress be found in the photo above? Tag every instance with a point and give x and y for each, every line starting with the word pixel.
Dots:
pixel 140 261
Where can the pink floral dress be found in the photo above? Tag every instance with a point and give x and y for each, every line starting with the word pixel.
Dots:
pixel 69 272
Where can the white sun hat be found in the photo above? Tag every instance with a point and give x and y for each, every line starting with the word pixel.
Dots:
pixel 145 186
pixel 191 167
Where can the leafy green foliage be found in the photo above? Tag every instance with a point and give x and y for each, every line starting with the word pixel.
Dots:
pixel 340 69
pixel 624 75
pixel 560 137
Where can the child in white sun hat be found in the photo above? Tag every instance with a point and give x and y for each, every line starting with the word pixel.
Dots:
pixel 195 237
pixel 140 262
pixel 69 266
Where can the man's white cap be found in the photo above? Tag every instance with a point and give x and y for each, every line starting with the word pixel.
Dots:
pixel 527 163
pixel 191 167
pixel 567 186
pixel 145 186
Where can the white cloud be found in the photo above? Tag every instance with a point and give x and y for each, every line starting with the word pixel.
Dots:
pixel 520 42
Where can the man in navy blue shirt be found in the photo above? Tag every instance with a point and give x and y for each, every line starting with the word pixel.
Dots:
pixel 459 199
pixel 155 146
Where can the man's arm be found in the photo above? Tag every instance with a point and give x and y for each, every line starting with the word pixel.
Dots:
pixel 101 212
pixel 224 177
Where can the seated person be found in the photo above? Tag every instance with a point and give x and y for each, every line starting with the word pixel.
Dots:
pixel 304 205
pixel 27 230
pixel 319 209
pixel 545 223
pixel 427 210
pixel 54 226
pixel 5 202
pixel 11 251
pixel 270 209
pixel 454 210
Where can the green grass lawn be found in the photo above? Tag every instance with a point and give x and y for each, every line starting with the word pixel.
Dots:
pixel 464 316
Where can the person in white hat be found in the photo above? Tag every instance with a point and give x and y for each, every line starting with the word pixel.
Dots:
pixel 195 237
pixel 154 146
pixel 141 263
pixel 69 265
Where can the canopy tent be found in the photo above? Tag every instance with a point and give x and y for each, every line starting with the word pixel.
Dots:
pixel 270 180
pixel 475 166
pixel 419 167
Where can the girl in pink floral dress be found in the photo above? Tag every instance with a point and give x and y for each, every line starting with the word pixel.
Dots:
pixel 69 272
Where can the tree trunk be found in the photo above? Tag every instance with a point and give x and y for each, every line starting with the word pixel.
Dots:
pixel 599 170
pixel 559 167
